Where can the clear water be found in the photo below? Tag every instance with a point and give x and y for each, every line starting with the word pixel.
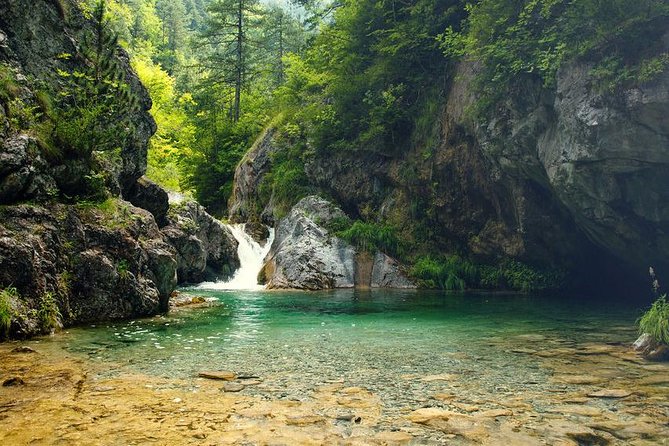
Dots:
pixel 374 339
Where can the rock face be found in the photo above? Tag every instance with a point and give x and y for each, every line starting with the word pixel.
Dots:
pixel 35 34
pixel 607 160
pixel 112 270
pixel 569 179
pixel 305 255
pixel 245 203
pixel 206 249
pixel 148 195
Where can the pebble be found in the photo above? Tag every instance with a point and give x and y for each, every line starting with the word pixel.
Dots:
pixel 233 387
pixel 13 381
pixel 23 349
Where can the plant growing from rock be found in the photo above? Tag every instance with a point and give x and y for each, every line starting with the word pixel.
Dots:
pixel 655 321
pixel 95 103
pixel 48 314
pixel 6 312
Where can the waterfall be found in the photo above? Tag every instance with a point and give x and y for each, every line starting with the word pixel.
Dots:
pixel 251 257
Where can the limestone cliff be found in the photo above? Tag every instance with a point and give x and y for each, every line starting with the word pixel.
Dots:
pixel 571 178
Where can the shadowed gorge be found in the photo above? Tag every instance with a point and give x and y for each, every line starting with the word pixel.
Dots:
pixel 350 222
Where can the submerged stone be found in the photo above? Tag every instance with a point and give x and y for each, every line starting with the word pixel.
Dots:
pixel 610 393
pixel 222 375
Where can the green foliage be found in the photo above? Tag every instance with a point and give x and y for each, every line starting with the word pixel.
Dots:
pixel 379 59
pixel 95 104
pixel 337 225
pixel 6 312
pixel 446 273
pixel 371 237
pixel 122 268
pixel 171 145
pixel 9 88
pixel 456 273
pixel 655 321
pixel 48 314
pixel 287 182
pixel 536 37
pixel 514 275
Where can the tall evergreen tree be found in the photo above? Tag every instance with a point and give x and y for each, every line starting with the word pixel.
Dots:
pixel 232 52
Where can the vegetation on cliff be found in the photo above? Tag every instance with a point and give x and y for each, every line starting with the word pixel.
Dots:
pixel 363 79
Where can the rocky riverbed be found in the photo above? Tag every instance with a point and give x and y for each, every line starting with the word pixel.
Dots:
pixel 575 393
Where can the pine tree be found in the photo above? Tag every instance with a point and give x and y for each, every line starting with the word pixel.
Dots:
pixel 232 56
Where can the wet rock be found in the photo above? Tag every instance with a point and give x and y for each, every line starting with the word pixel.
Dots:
pixel 576 409
pixel 578 379
pixel 258 231
pixel 393 437
pixel 345 417
pixel 221 375
pixel 650 349
pixel 428 414
pixel 610 393
pixel 206 249
pixel 23 349
pixel 440 377
pixel 494 413
pixel 388 273
pixel 249 174
pixel 589 438
pixel 658 380
pixel 304 420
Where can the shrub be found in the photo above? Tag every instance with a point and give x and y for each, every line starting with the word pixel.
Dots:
pixel 655 321
pixel 447 273
pixel 6 312
pixel 371 237
pixel 48 314
pixel 514 275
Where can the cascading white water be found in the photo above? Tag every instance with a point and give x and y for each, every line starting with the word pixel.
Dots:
pixel 251 257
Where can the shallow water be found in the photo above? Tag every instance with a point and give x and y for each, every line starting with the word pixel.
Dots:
pixel 515 367
pixel 367 338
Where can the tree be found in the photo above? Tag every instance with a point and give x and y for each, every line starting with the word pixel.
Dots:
pixel 232 52
pixel 282 34
pixel 95 103
pixel 173 16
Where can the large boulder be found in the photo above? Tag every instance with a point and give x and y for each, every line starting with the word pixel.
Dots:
pixel 97 262
pixel 206 249
pixel 304 255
